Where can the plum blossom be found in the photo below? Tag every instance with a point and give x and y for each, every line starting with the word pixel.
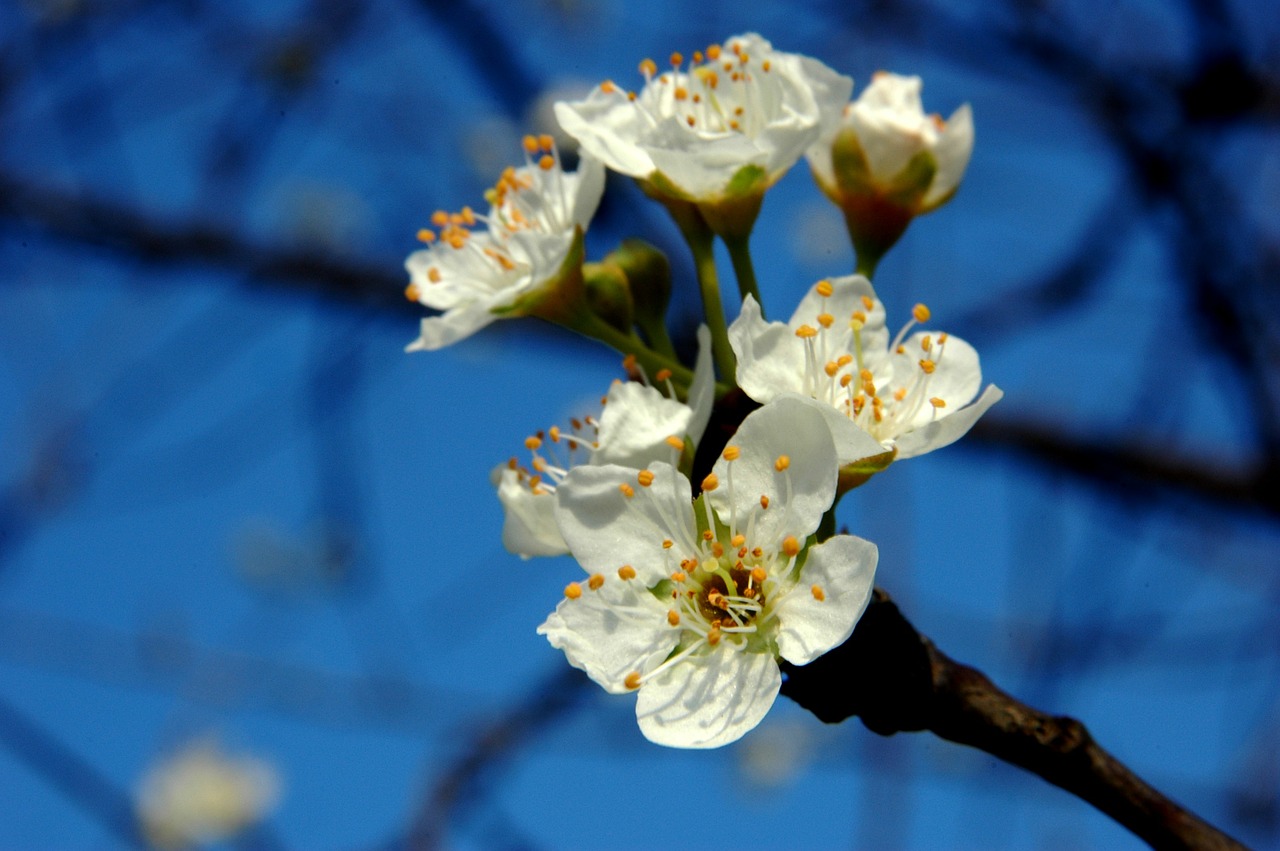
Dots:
pixel 690 604
pixel 909 395
pixel 638 425
pixel 693 129
pixel 537 215
pixel 888 131
pixel 201 794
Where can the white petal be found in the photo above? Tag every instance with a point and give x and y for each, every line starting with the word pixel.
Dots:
pixel 786 426
pixel 529 527
pixel 944 432
pixel 605 125
pixel 956 379
pixel 891 125
pixel 702 391
pixel 955 145
pixel 611 632
pixel 770 357
pixel 590 179
pixel 702 167
pixel 606 529
pixel 844 569
pixel 457 324
pixel 709 699
pixel 852 443
pixel 635 424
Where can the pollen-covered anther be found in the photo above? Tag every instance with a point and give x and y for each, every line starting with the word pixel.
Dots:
pixel 711 482
pixel 900 394
pixel 412 292
pixel 846 380
pixel 645 478
pixel 632 680
pixel 648 67
pixel 791 546
pixel 818 593
pixel 831 368
pixel 826 320
pixel 921 313
pixel 713 52
pixel 554 434
pixel 663 374
pixel 717 549
pixel 426 235
pixel 938 402
pixel 928 366
pixel 627 490
pixel 667 543
pixel 681 93
pixel 707 535
pixel 573 590
pixel 530 145
pixel 433 275
pixel 926 343
pixel 806 332
pixel 738 540
pixel 783 462
pixel 546 162
pixel 679 576
pixel 675 443
pixel 713 635
pixel 596 581
pixel 732 453
pixel 824 288
pixel 758 575
pixel 608 87
pixel 673 617
pixel 764 501
pixel 626 572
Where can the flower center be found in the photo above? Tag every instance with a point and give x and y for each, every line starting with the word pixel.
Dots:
pixel 877 394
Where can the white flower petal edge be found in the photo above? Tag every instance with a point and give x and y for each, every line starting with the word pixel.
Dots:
pixel 690 603
pixel 741 104
pixel 837 351
pixel 537 213
pixel 633 430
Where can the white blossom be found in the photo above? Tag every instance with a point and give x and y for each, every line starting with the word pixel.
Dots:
pixel 693 128
pixel 891 129
pixel 638 424
pixel 473 275
pixel 910 394
pixel 692 603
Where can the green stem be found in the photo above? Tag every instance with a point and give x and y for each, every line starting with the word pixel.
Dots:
pixel 866 264
pixel 743 269
pixel 701 244
pixel 659 340
pixel 590 325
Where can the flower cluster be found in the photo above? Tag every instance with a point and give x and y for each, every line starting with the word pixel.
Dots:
pixel 708 554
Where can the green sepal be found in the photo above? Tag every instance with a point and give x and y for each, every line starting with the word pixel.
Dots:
pixel 560 297
pixel 859 472
pixel 648 275
pixel 609 294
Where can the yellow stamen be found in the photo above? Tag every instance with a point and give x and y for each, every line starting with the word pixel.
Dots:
pixel 732 453
pixel 645 478
pixel 710 483
pixel 921 313
pixel 928 366
pixel 938 402
pixel 824 288
pixel 532 443
pixel 626 572
pixel 673 617
pixel 806 331
pixel 790 546
pixel 632 680
pixel 573 590
pixel 783 462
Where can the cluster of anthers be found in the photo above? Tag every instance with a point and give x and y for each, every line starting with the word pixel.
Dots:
pixel 722 580
pixel 533 198
pixel 845 380
pixel 696 95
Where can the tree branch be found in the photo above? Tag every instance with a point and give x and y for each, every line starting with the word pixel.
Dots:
pixel 896 680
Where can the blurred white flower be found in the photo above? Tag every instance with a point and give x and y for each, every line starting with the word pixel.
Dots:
pixel 201 795
pixel 691 603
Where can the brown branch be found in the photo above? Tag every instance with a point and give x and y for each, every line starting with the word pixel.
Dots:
pixel 896 680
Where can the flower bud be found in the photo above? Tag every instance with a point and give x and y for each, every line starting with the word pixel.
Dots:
pixel 609 294
pixel 648 274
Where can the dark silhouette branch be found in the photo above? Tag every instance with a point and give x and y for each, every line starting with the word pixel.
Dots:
pixel 896 680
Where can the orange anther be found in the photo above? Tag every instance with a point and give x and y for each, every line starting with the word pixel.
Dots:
pixel 412 292
pixel 824 288
pixel 673 617
pixel 818 593
pixel 710 483
pixel 791 546
pixel 732 453
pixel 596 580
pixel 677 59
pixel 573 590
pixel 532 443
pixel 738 540
pixel 831 368
pixel 626 572
pixel 713 52
pixel 675 443
pixel 928 366
pixel 648 67
pixel 645 478
pixel 632 680
pixel 530 144
pixel 921 313
pixel 783 462
pixel 608 87
pixel 764 501
pixel 662 375
pixel 758 575
pixel 667 543
pixel 627 490
pixel 426 235
pixel 433 275
pixel 826 320
pixel 554 434
pixel 547 162
pixel 679 576
pixel 805 332
pixel 938 402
